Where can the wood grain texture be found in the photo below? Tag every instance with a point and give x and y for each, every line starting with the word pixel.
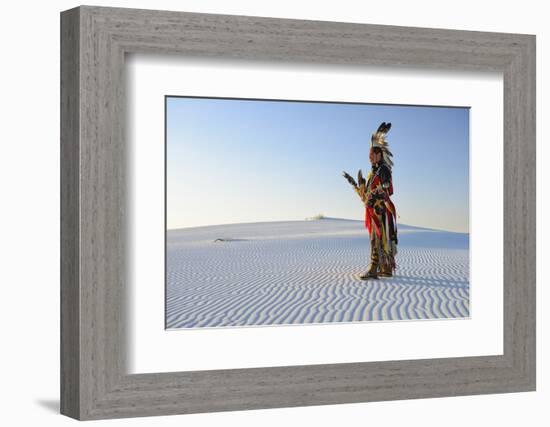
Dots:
pixel 70 292
pixel 94 382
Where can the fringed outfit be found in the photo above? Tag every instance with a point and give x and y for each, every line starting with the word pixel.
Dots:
pixel 380 212
pixel 381 219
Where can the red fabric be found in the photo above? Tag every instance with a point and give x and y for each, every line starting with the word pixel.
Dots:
pixel 371 217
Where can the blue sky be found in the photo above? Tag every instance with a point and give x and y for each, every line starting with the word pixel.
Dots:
pixel 232 161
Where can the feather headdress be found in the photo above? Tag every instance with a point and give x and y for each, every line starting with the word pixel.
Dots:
pixel 378 139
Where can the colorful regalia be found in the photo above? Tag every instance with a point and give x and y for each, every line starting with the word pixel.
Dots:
pixel 380 213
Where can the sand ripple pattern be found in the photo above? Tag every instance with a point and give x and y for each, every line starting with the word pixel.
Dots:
pixel 305 272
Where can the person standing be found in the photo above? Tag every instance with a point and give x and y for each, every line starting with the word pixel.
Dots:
pixel 380 212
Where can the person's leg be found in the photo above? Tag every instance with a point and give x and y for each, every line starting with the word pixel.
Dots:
pixel 386 270
pixel 372 272
pixel 386 260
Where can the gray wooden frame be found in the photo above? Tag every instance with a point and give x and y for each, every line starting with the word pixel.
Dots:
pixel 94 382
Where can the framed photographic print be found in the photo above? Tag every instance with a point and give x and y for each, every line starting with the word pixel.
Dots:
pixel 281 241
pixel 347 210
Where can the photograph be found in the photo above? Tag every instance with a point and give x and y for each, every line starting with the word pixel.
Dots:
pixel 296 212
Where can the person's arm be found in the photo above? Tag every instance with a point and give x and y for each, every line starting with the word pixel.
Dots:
pixel 385 177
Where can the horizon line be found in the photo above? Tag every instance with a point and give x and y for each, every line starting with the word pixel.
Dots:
pixel 311 220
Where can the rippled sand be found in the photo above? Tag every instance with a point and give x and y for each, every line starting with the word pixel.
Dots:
pixel 299 272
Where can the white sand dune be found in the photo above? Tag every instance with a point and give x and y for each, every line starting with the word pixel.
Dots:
pixel 300 272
